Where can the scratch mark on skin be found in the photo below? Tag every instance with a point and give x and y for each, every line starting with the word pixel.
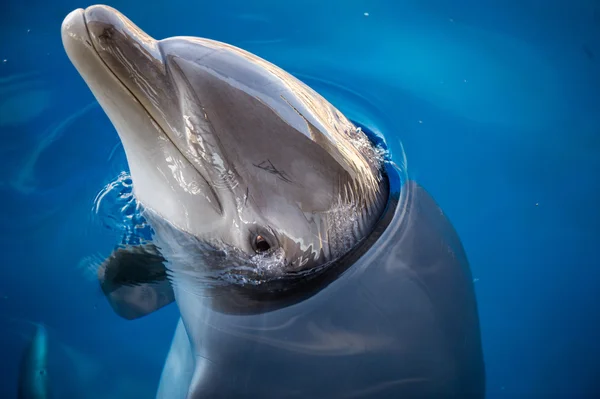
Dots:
pixel 269 167
pixel 246 197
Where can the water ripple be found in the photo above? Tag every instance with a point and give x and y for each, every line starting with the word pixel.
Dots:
pixel 116 209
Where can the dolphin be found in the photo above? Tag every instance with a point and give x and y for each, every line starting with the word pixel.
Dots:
pixel 52 368
pixel 33 373
pixel 303 261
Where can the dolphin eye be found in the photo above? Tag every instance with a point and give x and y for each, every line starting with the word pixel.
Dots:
pixel 261 244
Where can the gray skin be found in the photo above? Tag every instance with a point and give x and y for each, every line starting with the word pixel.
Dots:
pixel 302 264
pixel 33 373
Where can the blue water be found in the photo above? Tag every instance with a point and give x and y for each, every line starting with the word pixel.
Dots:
pixel 497 106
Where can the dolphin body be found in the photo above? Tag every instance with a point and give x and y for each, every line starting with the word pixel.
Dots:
pixel 303 263
pixel 33 373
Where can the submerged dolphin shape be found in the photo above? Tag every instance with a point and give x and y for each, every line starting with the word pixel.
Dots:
pixel 303 263
pixel 33 373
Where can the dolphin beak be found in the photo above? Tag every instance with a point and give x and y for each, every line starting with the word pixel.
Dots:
pixel 119 41
pixel 133 56
pixel 121 64
pixel 118 61
pixel 124 69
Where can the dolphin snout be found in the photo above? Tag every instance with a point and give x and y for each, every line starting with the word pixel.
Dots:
pixel 132 55
pixel 117 39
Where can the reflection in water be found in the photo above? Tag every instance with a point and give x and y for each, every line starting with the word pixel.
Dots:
pixel 25 179
pixel 31 177
pixel 23 97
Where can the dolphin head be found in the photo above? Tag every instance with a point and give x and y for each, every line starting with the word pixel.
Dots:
pixel 228 148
